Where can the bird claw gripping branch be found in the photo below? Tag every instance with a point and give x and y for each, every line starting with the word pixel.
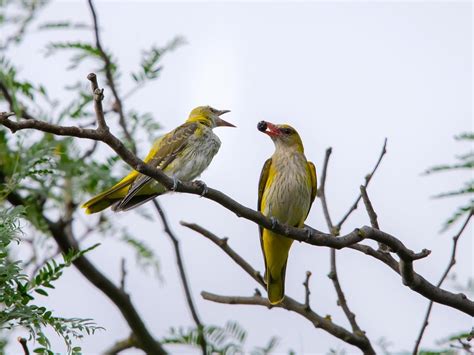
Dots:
pixel 203 186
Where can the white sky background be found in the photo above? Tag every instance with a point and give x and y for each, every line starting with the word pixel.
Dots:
pixel 345 75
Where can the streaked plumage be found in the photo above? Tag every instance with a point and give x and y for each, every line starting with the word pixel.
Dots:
pixel 183 154
pixel 287 189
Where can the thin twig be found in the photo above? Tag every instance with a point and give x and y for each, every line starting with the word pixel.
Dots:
pixel 452 262
pixel 24 345
pixel 372 216
pixel 367 181
pixel 322 192
pixel 182 274
pixel 222 243
pixel 307 290
pixel 98 97
pixel 333 275
pixel 123 274
pixel 110 78
pixel 370 209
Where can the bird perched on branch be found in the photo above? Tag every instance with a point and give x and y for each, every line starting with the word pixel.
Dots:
pixel 183 154
pixel 286 191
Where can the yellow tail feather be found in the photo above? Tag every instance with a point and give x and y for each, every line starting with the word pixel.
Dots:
pixel 276 290
pixel 108 197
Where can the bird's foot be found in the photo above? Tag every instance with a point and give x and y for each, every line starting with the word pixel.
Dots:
pixel 176 182
pixel 203 186
pixel 274 222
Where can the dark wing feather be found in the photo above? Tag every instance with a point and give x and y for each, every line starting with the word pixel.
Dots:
pixel 314 184
pixel 169 147
pixel 261 186
pixel 261 189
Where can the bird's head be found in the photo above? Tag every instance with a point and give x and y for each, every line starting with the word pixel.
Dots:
pixel 283 135
pixel 209 116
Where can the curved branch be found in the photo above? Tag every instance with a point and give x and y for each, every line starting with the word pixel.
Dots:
pixel 308 235
pixel 325 323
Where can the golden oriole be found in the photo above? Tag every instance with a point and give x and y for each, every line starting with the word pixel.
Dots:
pixel 286 191
pixel 183 154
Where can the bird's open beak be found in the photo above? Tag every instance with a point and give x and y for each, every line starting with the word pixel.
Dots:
pixel 268 128
pixel 222 123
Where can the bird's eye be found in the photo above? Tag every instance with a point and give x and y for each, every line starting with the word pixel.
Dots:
pixel 287 130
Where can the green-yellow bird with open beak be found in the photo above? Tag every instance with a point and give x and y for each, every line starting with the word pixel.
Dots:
pixel 286 191
pixel 183 154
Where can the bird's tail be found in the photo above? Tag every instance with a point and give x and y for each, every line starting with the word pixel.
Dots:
pixel 275 250
pixel 110 196
pixel 276 288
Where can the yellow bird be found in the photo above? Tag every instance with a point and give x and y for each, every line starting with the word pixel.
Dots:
pixel 183 154
pixel 286 191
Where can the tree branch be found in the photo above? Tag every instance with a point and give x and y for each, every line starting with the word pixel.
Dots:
pixel 341 298
pixel 182 274
pixel 367 181
pixel 307 290
pixel 288 303
pixel 62 233
pixel 24 345
pixel 118 106
pixel 452 262
pixel 308 235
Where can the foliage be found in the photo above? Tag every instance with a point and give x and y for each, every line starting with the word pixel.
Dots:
pixel 52 174
pixel 229 339
pixel 465 161
pixel 18 291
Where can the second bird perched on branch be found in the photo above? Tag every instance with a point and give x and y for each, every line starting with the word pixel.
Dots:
pixel 286 191
pixel 183 154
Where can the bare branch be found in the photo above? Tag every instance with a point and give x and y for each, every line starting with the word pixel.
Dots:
pixel 98 97
pixel 452 262
pixel 288 303
pixel 367 181
pixel 118 106
pixel 341 298
pixel 184 278
pixel 308 235
pixel 372 215
pixel 307 291
pixel 222 243
pixel 123 274
pixel 370 209
pixel 24 345
pixel 322 192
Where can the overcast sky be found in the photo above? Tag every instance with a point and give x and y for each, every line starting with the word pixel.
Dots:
pixel 345 75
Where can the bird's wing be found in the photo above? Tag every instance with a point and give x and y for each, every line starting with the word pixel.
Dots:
pixel 163 152
pixel 261 185
pixel 314 183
